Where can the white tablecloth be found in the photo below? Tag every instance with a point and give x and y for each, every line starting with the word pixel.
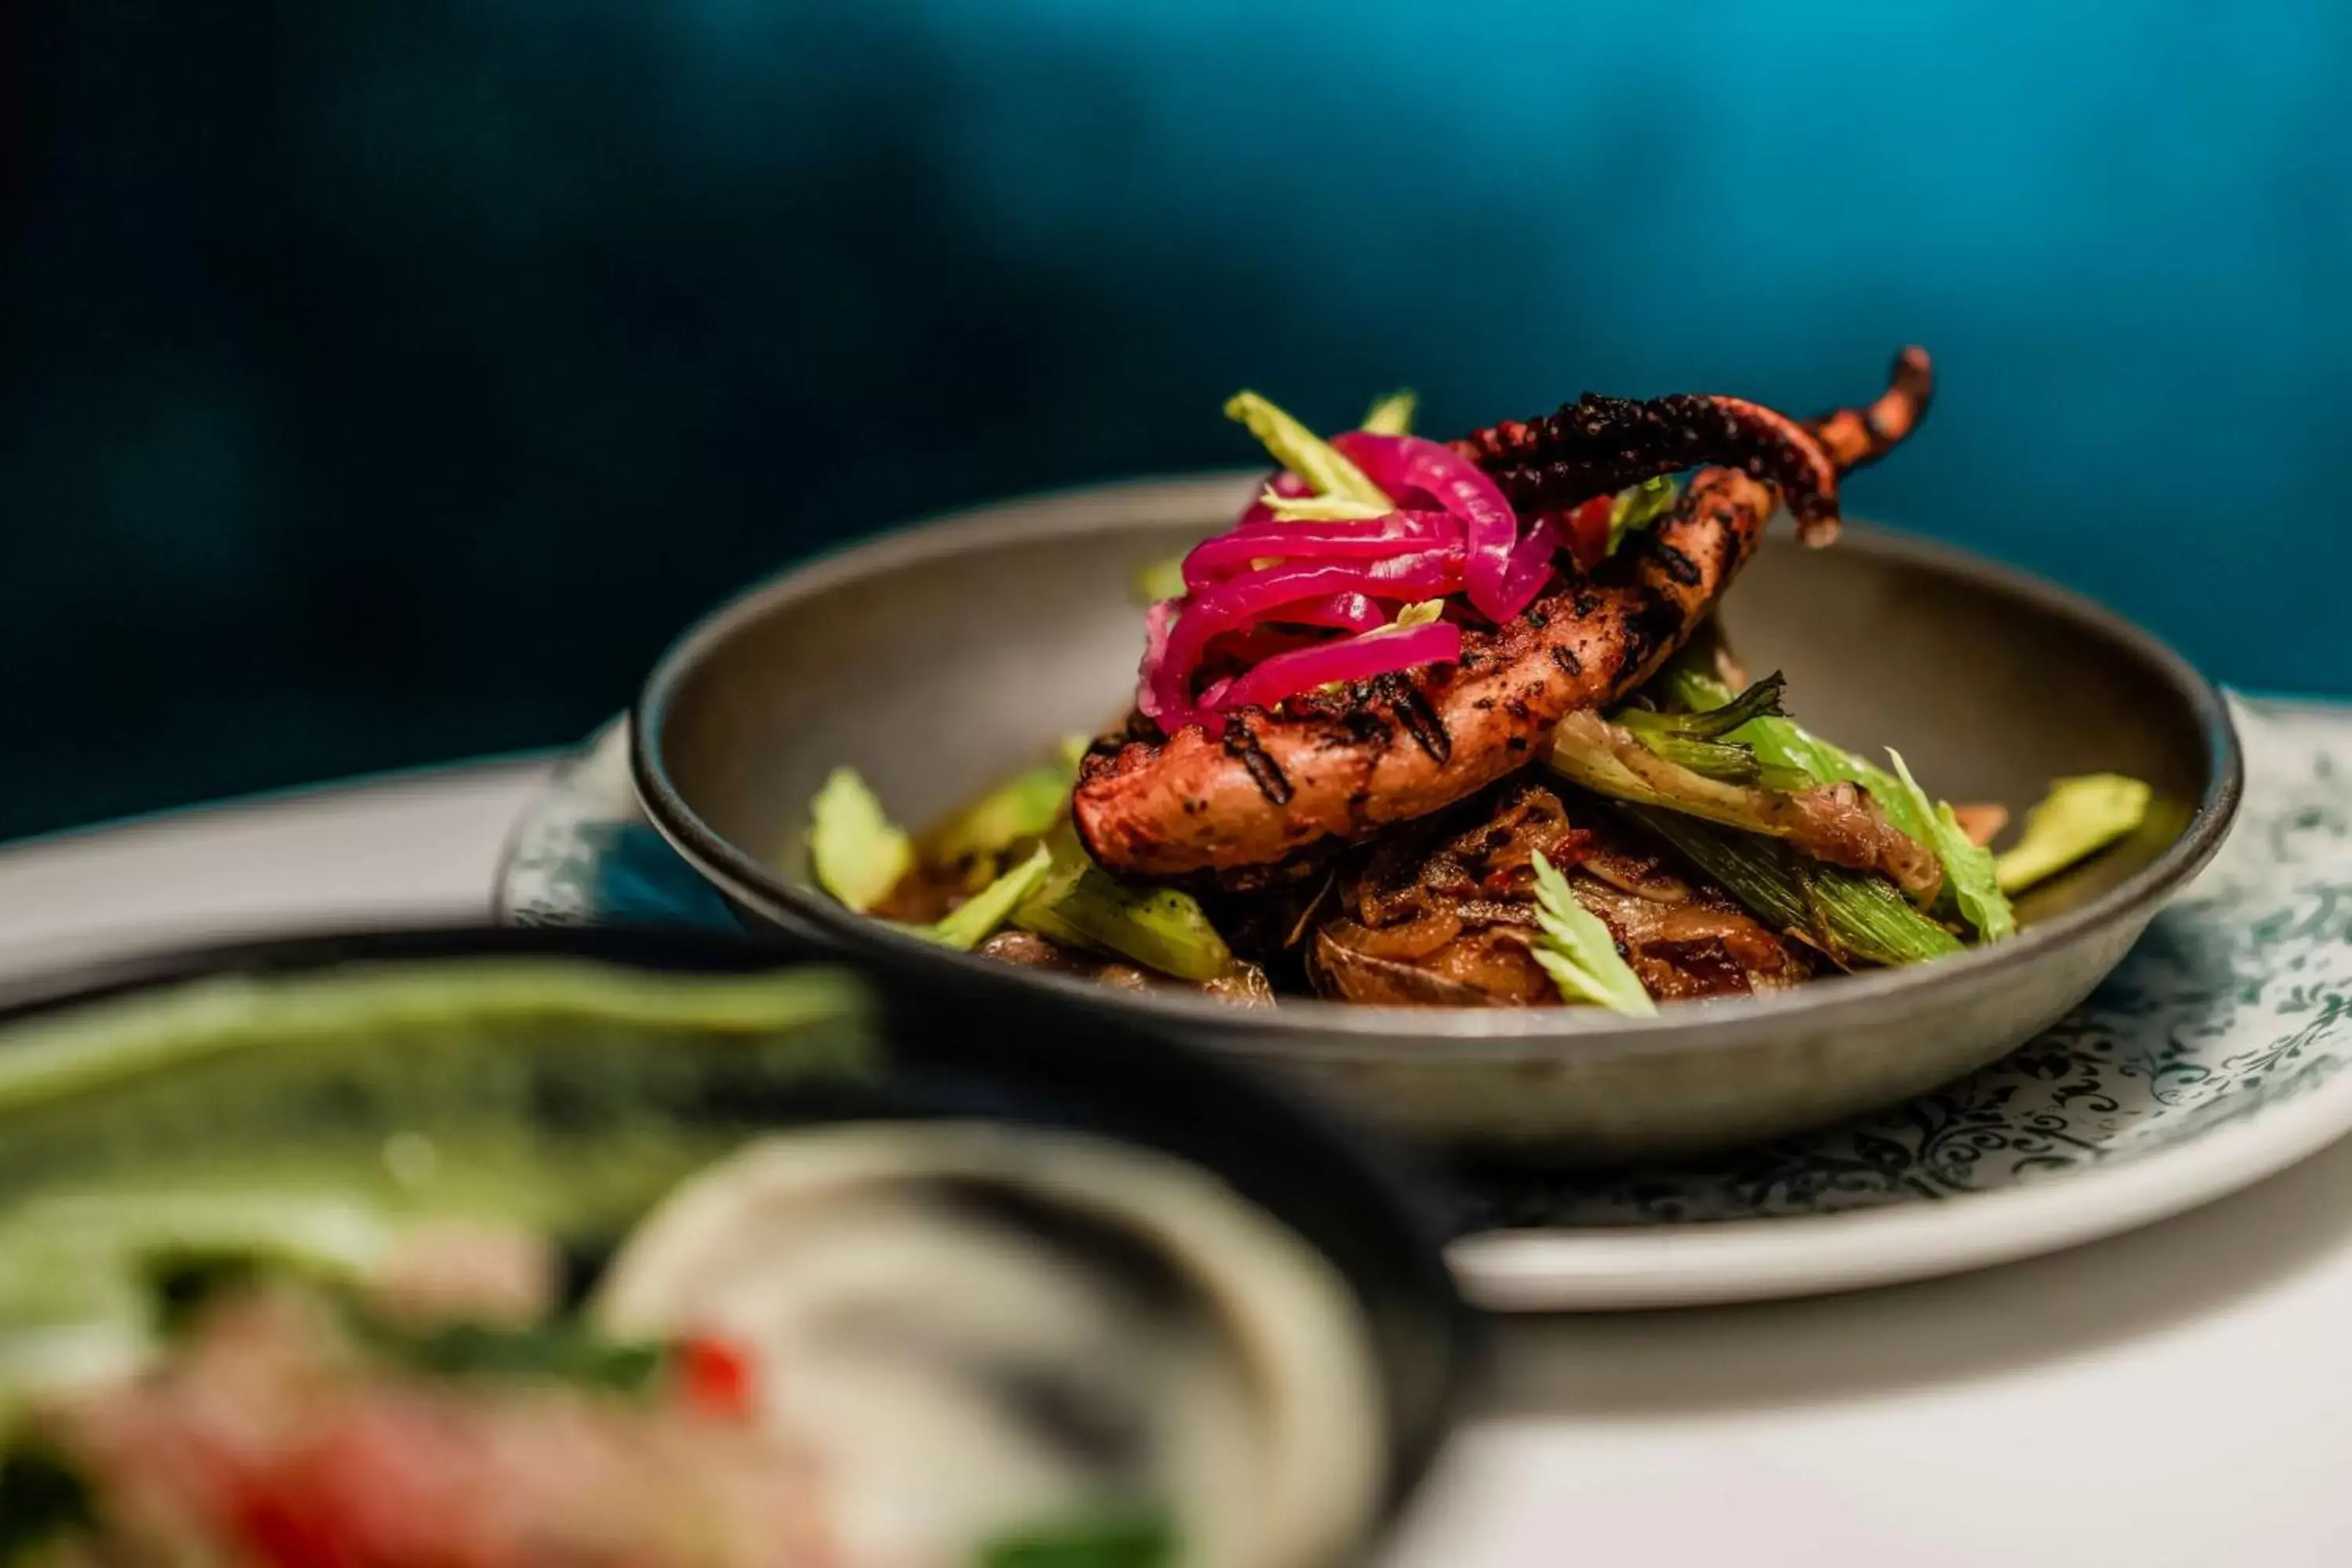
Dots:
pixel 2178 1396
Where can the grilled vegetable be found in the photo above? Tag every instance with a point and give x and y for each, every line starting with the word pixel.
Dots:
pixel 1779 742
pixel 1854 917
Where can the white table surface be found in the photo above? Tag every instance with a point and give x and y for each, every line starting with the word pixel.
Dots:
pixel 2182 1396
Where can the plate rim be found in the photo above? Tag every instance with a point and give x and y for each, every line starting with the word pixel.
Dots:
pixel 1696 1263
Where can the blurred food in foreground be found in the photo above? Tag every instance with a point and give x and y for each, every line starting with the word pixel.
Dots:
pixel 537 1263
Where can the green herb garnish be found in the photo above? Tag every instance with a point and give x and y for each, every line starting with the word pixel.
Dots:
pixel 1305 453
pixel 1578 951
pixel 1393 415
pixel 1640 507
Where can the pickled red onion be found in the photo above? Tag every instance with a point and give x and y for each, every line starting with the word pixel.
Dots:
pixel 1529 567
pixel 1454 532
pixel 1348 612
pixel 1173 652
pixel 1490 528
pixel 1154 686
pixel 1348 659
pixel 1216 560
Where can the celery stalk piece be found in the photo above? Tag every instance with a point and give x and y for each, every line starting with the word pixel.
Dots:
pixel 977 918
pixel 1427 611
pixel 1578 950
pixel 1851 915
pixel 1022 806
pixel 1969 878
pixel 1321 509
pixel 1163 579
pixel 1640 507
pixel 857 853
pixel 1304 453
pixel 1081 904
pixel 2079 818
pixel 1393 415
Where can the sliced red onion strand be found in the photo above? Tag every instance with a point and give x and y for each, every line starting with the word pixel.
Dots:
pixel 1228 554
pixel 1528 568
pixel 1454 533
pixel 1348 612
pixel 1159 696
pixel 1490 528
pixel 1348 659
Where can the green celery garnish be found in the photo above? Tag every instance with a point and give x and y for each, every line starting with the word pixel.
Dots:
pixel 857 853
pixel 1304 453
pixel 1081 905
pixel 1969 876
pixel 2079 818
pixel 1393 415
pixel 1022 806
pixel 1578 951
pixel 975 919
pixel 1321 509
pixel 1616 764
pixel 1425 613
pixel 1162 579
pixel 1640 507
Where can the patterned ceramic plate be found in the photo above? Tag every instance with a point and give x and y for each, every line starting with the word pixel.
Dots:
pixel 2208 1060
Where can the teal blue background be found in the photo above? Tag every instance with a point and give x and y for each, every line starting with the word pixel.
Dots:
pixel 386 380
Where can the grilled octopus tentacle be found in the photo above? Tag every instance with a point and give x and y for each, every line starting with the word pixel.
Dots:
pixel 1404 749
pixel 1856 437
pixel 1597 445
